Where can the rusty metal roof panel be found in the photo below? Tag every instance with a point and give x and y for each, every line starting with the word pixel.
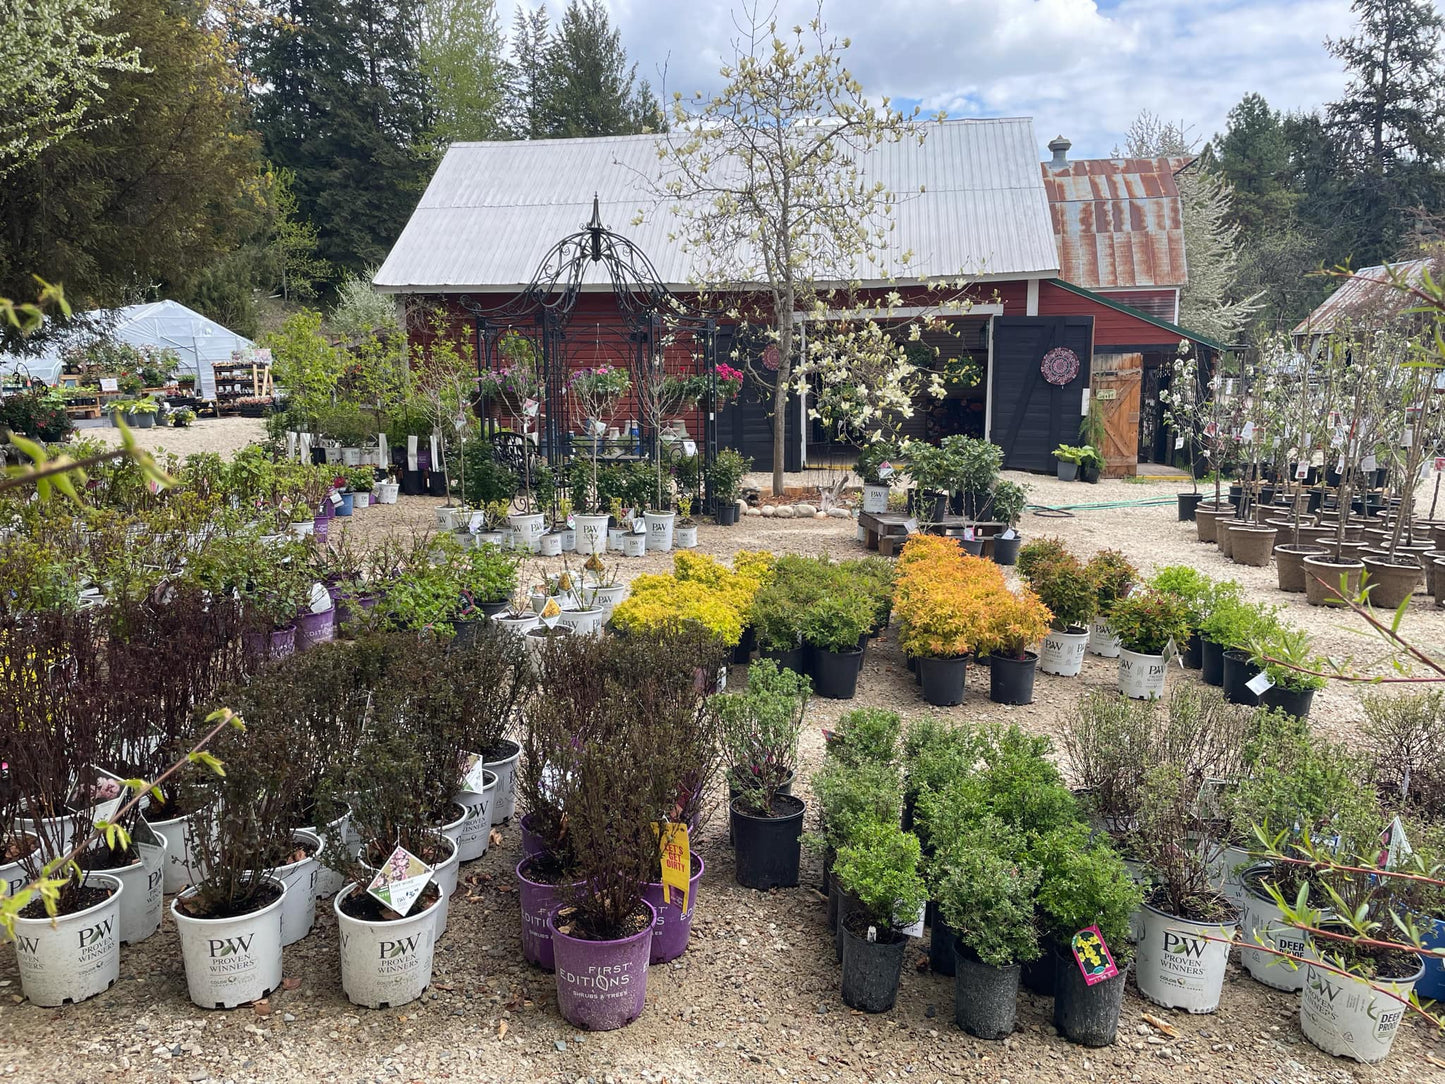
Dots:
pixel 1118 222
pixel 1367 298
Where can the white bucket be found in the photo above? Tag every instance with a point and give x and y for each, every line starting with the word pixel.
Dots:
pixel 504 799
pixel 1062 653
pixel 685 538
pixel 12 878
pixel 1228 877
pixel 1176 966
pixel 584 622
pixel 527 530
pixel 385 964
pixel 299 911
pixel 329 881
pixel 591 534
pixel 304 529
pixel 351 457
pixel 386 492
pixel 182 865
pixel 446 518
pixel 608 597
pixel 550 545
pixel 518 626
pixel 1141 677
pixel 569 539
pixel 1349 1017
pixel 453 829
pixel 634 545
pixel 615 535
pixel 71 957
pixel 231 961
pixel 142 899
pixel 361 498
pixel 1102 640
pixel 476 827
pixel 1264 924
pixel 875 499
pixel 659 530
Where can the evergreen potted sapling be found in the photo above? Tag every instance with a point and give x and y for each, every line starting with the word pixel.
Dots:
pixel 833 628
pixel 1149 623
pixel 725 484
pixel 1193 587
pixel 1066 591
pixel 1113 577
pixel 759 736
pixel 878 870
pixel 1015 620
pixel 1009 501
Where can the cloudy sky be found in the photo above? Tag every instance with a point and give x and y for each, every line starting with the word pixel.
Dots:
pixel 1081 67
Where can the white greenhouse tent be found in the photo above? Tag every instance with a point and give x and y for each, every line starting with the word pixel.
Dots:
pixel 165 325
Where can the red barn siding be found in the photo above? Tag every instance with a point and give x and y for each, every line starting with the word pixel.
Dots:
pixel 1111 327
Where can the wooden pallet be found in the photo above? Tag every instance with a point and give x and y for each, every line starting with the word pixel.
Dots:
pixel 83 411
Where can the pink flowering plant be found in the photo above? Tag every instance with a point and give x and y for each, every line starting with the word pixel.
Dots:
pixel 518 375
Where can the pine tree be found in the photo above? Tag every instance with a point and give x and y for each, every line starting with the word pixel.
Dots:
pixel 1253 156
pixel 344 109
pixel 592 90
pixel 529 72
pixel 462 55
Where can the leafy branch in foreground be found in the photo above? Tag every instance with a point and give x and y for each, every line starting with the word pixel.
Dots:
pixel 57 873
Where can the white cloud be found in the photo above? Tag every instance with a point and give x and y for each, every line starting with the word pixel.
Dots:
pixel 1078 67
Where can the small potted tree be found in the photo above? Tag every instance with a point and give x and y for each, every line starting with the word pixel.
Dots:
pixel 1009 501
pixel 1064 588
pixel 876 469
pixel 1148 624
pixel 834 627
pixel 597 391
pixel 725 484
pixel 878 870
pixel 1113 577
pixel 759 736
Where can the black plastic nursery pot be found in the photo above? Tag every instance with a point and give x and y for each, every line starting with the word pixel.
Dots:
pixel 436 483
pixel 972 545
pixel 795 659
pixel 1188 502
pixel 1295 701
pixel 743 652
pixel 1011 681
pixel 1193 654
pixel 835 673
pixel 768 849
pixel 727 513
pixel 1084 1014
pixel 1088 474
pixel 942 944
pixel 1237 674
pixel 942 680
pixel 871 969
pixel 985 998
pixel 1211 662
pixel 733 792
pixel 1006 550
pixel 412 483
pixel 1038 975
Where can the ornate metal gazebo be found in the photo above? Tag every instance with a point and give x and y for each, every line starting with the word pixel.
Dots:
pixel 648 318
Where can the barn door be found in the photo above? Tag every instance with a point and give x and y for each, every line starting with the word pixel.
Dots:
pixel 1118 380
pixel 1030 416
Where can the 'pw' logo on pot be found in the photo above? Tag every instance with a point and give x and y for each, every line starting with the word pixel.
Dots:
pixel 1183 946
pixel 390 950
pixel 230 946
pixel 93 934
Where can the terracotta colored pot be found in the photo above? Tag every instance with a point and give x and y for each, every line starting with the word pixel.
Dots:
pixel 1290 564
pixel 1393 581
pixel 1251 545
pixel 1330 569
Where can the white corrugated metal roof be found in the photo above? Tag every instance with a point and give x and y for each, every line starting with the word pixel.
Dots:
pixel 493 210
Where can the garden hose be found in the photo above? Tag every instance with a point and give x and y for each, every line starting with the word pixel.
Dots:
pixel 1066 511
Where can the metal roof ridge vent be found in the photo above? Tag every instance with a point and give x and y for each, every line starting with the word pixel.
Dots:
pixel 1060 146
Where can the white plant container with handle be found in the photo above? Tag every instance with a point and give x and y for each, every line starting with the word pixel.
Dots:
pixel 591 534
pixel 1102 641
pixel 659 530
pixel 299 912
pixel 1350 1018
pixel 385 964
pixel 1180 963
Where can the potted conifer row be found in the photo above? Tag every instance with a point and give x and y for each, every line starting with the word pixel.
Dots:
pixel 759 735
pixel 1149 623
pixel 878 871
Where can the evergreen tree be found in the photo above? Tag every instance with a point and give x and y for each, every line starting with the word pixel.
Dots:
pixel 529 72
pixel 1253 156
pixel 1389 128
pixel 592 91
pixel 466 71
pixel 343 107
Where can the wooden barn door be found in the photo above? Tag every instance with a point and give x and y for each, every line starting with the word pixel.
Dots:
pixel 1118 382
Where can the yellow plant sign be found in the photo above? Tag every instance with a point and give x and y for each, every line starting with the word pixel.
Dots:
pixel 676 860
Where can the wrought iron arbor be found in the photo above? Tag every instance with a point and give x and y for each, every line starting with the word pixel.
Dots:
pixel 648 326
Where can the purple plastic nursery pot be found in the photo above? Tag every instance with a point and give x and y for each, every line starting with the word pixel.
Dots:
pixel 283 642
pixel 601 985
pixel 538 901
pixel 314 628
pixel 531 842
pixel 322 528
pixel 673 928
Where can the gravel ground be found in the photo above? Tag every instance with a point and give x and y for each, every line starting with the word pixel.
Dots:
pixel 756 996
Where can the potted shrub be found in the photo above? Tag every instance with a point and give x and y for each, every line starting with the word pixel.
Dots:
pixel 597 391
pixel 944 598
pixel 1193 587
pixel 933 471
pixel 1068 456
pixel 1065 589
pixel 987 898
pixel 1015 620
pixel 876 469
pixel 834 628
pixel 878 870
pixel 974 465
pixel 852 792
pixel 1091 464
pixel 1009 501
pixel 1294 670
pixel 487 575
pixel 725 484
pixel 361 481
pixel 1113 577
pixel 759 736
pixel 1148 624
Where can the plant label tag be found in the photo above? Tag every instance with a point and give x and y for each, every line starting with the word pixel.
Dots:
pixel 1340 465
pixel 968 534
pixel 1083 409
pixel 1171 650
pixel 1396 847
pixel 1178 443
pixel 411 452
pixel 1009 534
pixel 913 928
pixel 149 845
pixel 1259 684
pixel 335 499
pixel 1368 463
pixel 885 470
pixel 1247 433
pixel 689 448
pixel 551 613
pixel 1407 437
pixel 1210 429
pixel 1302 471
pixel 530 408
pixel 872 934
pixel 676 860
pixel 474 773
pixel 910 526
pixel 1440 463
pixel 571 522
pixel 1095 961
pixel 400 881
pixel 320 599
pixel 109 383
pixel 1424 471
pixel 1334 419
pixel 639 526
pixel 1337 440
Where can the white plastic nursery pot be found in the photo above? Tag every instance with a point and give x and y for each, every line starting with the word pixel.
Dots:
pixel 182 865
pixel 1264 924
pixel 445 875
pixel 1348 1017
pixel 446 521
pixel 361 498
pixel 71 957
pixel 1102 640
pixel 615 535
pixel 386 492
pixel 385 964
pixel 608 597
pixel 299 912
pixel 231 961
pixel 141 900
pixel 528 529
pixel 1177 965
pixel 476 829
pixel 685 538
pixel 1062 653
pixel 328 882
pixel 591 534
pixel 659 530
pixel 518 626
pixel 634 545
pixel 504 800
pixel 453 828
pixel 1233 863
pixel 875 499
pixel 550 545
pixel 569 540
pixel 584 622
pixel 1141 677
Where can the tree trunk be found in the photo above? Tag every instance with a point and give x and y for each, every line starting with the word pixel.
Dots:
pixel 780 390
